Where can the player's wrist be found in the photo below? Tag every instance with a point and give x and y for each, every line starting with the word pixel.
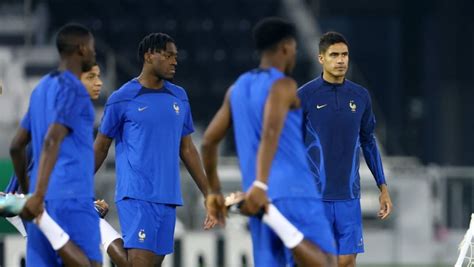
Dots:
pixel 261 185
pixel 38 195
pixel 383 188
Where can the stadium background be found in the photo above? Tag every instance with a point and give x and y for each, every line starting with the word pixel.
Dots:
pixel 415 57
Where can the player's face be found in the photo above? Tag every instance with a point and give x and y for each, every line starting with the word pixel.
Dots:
pixel 92 82
pixel 335 60
pixel 291 53
pixel 165 61
pixel 88 53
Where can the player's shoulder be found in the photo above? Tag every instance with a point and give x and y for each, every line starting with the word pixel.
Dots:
pixel 357 88
pixel 177 90
pixel 67 79
pixel 65 83
pixel 126 92
pixel 310 87
pixel 243 77
pixel 285 82
pixel 45 81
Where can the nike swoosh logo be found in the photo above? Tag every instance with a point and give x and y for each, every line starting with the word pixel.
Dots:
pixel 142 108
pixel 320 107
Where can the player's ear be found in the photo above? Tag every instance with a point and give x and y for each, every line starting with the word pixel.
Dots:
pixel 81 49
pixel 285 46
pixel 147 58
pixel 320 58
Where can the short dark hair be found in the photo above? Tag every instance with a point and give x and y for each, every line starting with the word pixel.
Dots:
pixel 69 37
pixel 88 68
pixel 153 42
pixel 329 39
pixel 270 31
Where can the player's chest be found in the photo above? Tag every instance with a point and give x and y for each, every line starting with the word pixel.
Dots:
pixel 163 110
pixel 335 108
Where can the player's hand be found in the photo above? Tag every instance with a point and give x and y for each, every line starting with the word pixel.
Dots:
pixel 255 199
pixel 216 210
pixel 385 204
pixel 102 207
pixel 34 206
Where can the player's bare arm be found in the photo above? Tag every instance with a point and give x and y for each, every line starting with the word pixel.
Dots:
pixel 18 155
pixel 190 157
pixel 102 144
pixel 214 134
pixel 281 99
pixel 49 155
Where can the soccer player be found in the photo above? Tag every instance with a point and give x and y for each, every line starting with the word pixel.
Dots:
pixel 59 123
pixel 338 121
pixel 110 239
pixel 264 109
pixel 150 120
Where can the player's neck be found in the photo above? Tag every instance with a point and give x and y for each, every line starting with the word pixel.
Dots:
pixel 332 79
pixel 71 65
pixel 267 62
pixel 150 81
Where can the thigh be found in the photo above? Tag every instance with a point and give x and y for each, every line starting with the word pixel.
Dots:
pixel 79 219
pixel 141 257
pixel 39 251
pixel 309 217
pixel 268 250
pixel 348 227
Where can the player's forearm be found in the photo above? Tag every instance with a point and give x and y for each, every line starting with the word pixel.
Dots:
pixel 193 164
pixel 266 151
pixel 99 157
pixel 209 156
pixel 102 144
pixel 269 144
pixel 18 156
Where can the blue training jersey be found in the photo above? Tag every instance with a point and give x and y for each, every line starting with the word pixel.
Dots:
pixel 147 125
pixel 61 98
pixel 338 121
pixel 289 175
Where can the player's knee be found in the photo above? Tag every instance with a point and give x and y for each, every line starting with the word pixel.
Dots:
pixel 331 261
pixel 346 261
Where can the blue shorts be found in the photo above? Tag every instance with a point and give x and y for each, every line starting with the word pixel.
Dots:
pixel 147 225
pixel 307 215
pixel 345 218
pixel 79 219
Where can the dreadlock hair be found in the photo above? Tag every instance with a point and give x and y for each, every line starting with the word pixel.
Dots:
pixel 329 39
pixel 70 36
pixel 153 42
pixel 270 31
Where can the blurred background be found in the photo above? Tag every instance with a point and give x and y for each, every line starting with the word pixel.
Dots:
pixel 415 57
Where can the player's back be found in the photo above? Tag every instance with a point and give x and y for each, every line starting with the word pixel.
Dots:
pixel 289 174
pixel 61 98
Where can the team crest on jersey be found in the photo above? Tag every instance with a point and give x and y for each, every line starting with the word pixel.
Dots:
pixel 141 235
pixel 176 108
pixel 353 106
